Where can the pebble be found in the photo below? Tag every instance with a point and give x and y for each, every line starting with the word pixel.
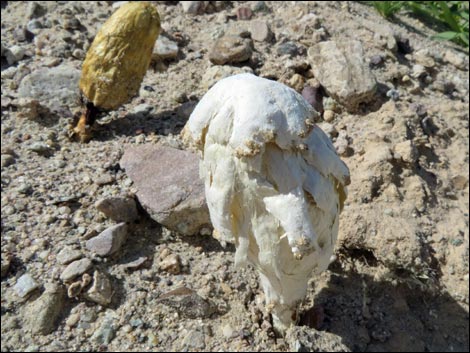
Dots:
pixel 193 7
pixel 101 291
pixel 119 209
pixel 40 148
pixel 14 54
pixel 104 179
pixel 405 151
pixel 393 94
pixel 25 285
pixel 34 25
pixel 418 71
pixel 288 48
pixel 106 332
pixel 165 49
pixel 231 49
pixel 460 61
pixel 314 96
pixel 135 264
pixel 188 303
pixel 195 340
pixel 244 13
pixel 297 82
pixel 171 264
pixel 376 60
pixel 43 314
pixel 7 160
pixel 109 241
pixel 67 255
pixel 76 268
pixel 329 116
pixel 260 31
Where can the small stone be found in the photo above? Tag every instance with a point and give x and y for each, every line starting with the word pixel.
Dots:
pixel 460 182
pixel 67 255
pixel 34 25
pixel 228 331
pixel 105 179
pixel 43 314
pixel 423 57
pixel 329 116
pixel 260 31
pixel 244 13
pixel 6 262
pixel 260 6
pixel 40 148
pixel 393 94
pixel 106 332
pixel 460 61
pixel 25 285
pixel 231 49
pixel 75 269
pixel 165 49
pixel 101 291
pixel 28 108
pixel 314 97
pixel 72 320
pixel 171 264
pixel 119 209
pixel 297 82
pixel 342 71
pixel 288 48
pixel 188 303
pixel 193 7
pixel 376 60
pixel 109 241
pixel 418 71
pixel 14 54
pixel 195 340
pixel 78 54
pixel 7 160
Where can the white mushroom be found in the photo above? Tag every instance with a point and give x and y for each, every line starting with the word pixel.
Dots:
pixel 274 184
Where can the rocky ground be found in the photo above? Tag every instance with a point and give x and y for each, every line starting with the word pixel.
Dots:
pixel 89 263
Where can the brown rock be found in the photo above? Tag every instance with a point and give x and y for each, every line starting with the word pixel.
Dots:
pixel 119 209
pixel 343 72
pixel 168 186
pixel 231 49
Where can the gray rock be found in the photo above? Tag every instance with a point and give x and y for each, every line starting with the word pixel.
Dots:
pixel 42 315
pixel 260 31
pixel 305 339
pixel 34 25
pixel 101 291
pixel 39 148
pixel 106 332
pixel 35 10
pixel 67 255
pixel 108 241
pixel 76 268
pixel 193 7
pixel 25 285
pixel 289 48
pixel 119 209
pixel 165 49
pixel 194 340
pixel 188 303
pixel 7 160
pixel 231 49
pixel 14 54
pixel 218 72
pixel 343 72
pixel 460 61
pixel 58 86
pixel 168 186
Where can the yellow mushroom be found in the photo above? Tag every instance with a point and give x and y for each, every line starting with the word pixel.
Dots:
pixel 117 60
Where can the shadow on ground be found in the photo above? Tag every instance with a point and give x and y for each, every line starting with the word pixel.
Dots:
pixel 381 316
